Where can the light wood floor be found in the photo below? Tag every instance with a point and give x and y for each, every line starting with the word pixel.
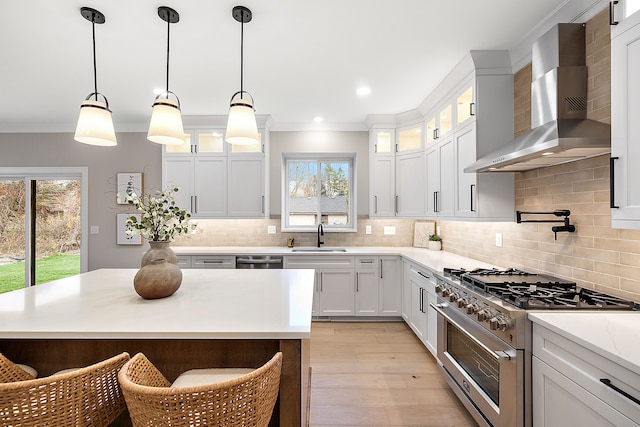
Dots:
pixel 377 374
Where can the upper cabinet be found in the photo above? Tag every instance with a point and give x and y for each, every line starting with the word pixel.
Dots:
pixel 467 116
pixel 217 179
pixel 625 127
pixel 620 10
pixel 382 172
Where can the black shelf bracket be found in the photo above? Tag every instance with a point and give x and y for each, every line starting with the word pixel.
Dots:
pixel 570 228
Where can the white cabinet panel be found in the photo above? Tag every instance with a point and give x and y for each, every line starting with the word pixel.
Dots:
pixel 410 185
pixel 246 187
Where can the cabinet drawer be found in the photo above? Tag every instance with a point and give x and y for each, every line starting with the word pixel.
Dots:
pixel 587 368
pixel 319 261
pixel 209 261
pixel 367 262
pixel 184 261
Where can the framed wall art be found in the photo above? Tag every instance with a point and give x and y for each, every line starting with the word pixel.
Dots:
pixel 122 238
pixel 128 183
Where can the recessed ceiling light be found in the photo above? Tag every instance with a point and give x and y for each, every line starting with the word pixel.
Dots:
pixel 363 91
pixel 318 119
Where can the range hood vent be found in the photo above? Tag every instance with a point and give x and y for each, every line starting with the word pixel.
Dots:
pixel 560 132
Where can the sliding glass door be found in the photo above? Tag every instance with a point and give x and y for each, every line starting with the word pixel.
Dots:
pixel 41 226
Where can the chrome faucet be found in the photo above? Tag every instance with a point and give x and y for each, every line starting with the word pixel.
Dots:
pixel 320 233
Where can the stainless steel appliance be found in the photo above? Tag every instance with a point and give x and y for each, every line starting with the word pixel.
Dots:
pixel 484 336
pixel 259 262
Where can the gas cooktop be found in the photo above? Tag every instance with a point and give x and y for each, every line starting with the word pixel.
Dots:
pixel 537 291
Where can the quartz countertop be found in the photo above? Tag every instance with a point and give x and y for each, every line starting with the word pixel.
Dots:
pixel 614 336
pixel 435 260
pixel 210 304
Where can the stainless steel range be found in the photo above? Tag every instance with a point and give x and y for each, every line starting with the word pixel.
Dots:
pixel 484 336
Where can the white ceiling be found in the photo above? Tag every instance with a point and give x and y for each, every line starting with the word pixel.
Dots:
pixel 302 58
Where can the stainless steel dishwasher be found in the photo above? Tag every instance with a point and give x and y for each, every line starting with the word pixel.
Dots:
pixel 259 261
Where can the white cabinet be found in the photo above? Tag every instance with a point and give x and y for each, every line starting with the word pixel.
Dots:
pixel 390 280
pixel 440 183
pixel 335 282
pixel 418 292
pixel 382 180
pixel 217 180
pixel 410 185
pixel 568 387
pixel 367 296
pixel 625 127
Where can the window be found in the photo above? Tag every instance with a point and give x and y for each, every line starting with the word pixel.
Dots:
pixel 319 189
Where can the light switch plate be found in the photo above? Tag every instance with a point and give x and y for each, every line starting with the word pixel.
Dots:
pixel 367 229
pixel 271 229
pixel 95 229
pixel 389 230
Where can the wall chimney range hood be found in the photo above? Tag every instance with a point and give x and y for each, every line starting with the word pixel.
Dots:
pixel 560 132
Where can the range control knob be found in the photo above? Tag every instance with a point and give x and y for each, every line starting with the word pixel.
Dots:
pixel 499 322
pixel 445 292
pixel 453 297
pixel 472 308
pixel 438 288
pixel 462 302
pixel 483 314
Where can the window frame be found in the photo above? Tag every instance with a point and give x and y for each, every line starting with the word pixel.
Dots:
pixel 350 158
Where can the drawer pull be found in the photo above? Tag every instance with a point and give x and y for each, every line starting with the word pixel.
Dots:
pixel 607 382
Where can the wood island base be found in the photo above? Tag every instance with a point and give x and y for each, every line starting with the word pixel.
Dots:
pixel 174 356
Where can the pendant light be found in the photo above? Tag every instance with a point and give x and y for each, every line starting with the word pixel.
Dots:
pixel 95 125
pixel 166 121
pixel 241 125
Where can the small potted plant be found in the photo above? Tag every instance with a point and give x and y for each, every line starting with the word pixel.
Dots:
pixel 435 242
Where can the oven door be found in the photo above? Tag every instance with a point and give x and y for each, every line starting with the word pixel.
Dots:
pixel 485 372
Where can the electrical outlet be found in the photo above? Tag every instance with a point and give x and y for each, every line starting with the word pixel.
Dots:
pixel 271 229
pixel 389 230
pixel 95 229
pixel 438 230
pixel 367 229
pixel 499 240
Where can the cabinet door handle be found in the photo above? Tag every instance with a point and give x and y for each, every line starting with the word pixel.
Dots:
pixel 357 282
pixel 262 204
pixel 321 281
pixel 472 109
pixel 473 187
pixel 607 382
pixel 422 300
pixel 435 201
pixel 375 148
pixel 612 20
pixel 381 268
pixel 195 204
pixel 396 207
pixel 436 133
pixel 612 187
pixel 375 199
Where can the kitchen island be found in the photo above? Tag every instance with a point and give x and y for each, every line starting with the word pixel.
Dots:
pixel 218 318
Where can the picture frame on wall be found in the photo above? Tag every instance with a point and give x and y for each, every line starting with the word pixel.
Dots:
pixel 122 238
pixel 128 183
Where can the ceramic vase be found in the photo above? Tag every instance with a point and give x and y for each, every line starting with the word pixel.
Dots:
pixel 435 245
pixel 157 279
pixel 159 250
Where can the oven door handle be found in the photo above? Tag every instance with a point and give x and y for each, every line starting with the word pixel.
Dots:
pixel 498 355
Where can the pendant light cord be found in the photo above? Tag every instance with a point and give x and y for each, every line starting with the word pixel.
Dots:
pixel 241 56
pixel 95 72
pixel 168 34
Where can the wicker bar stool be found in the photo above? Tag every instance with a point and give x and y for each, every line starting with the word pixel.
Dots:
pixel 10 372
pixel 200 397
pixel 86 397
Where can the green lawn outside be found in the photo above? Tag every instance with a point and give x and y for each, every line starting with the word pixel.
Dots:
pixel 47 269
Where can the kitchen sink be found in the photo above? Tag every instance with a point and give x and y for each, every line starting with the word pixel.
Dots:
pixel 319 250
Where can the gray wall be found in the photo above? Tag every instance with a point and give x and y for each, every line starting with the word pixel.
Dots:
pixel 134 153
pixel 319 142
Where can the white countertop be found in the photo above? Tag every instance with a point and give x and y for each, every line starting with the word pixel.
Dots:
pixel 210 304
pixel 615 336
pixel 435 260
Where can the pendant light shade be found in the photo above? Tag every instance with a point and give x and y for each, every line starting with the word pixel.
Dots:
pixel 241 125
pixel 95 125
pixel 166 120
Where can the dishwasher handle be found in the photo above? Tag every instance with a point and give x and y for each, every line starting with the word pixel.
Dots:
pixel 258 261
